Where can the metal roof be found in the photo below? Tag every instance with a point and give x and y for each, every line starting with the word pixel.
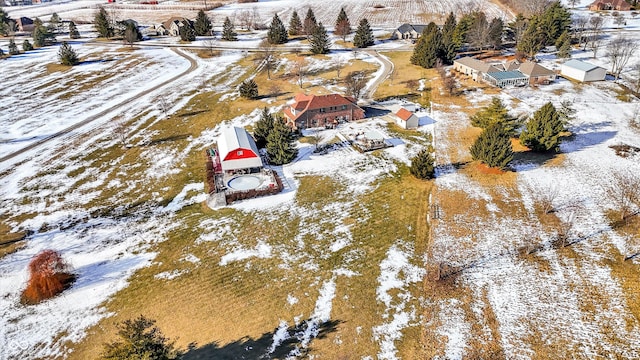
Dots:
pixel 507 75
pixel 580 65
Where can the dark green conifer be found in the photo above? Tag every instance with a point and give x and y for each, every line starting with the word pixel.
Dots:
pixel 102 23
pixel 542 132
pixel 228 33
pixel 67 55
pixel 423 165
pixel 249 89
pixel 73 31
pixel 310 23
pixel 277 32
pixel 281 143
pixel 295 24
pixel 13 48
pixel 364 36
pixel 493 147
pixel 26 46
pixel 495 113
pixel 319 40
pixel 262 128
pixel 202 25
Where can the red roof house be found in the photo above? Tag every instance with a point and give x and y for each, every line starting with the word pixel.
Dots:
pixel 407 119
pixel 238 150
pixel 619 5
pixel 310 111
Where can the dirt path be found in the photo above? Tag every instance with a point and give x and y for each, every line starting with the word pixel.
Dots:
pixel 132 98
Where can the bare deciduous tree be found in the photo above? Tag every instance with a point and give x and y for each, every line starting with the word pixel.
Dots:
pixel 565 230
pixel 546 196
pixel 245 19
pixel 579 27
pixel 355 82
pixel 624 193
pixel 619 20
pixel 210 44
pixel 120 133
pixel 300 70
pixel 267 58
pixel 163 104
pixel 619 51
pixel 338 63
pixel 595 34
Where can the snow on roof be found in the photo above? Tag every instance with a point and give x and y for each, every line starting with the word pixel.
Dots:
pixel 580 65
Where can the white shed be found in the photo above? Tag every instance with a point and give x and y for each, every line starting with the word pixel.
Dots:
pixel 582 71
pixel 238 150
pixel 406 119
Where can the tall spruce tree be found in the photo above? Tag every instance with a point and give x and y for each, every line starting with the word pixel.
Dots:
pixel 187 32
pixel 495 33
pixel 495 113
pixel 429 50
pixel 26 46
pixel 423 165
pixel 449 43
pixel 364 35
pixel 493 147
pixel 281 143
pixel 319 40
pixel 563 45
pixel 277 32
pixel 13 48
pixel 228 33
pixel 262 128
pixel 41 35
pixel 343 25
pixel 295 24
pixel 73 30
pixel 202 25
pixel 103 24
pixel 131 33
pixel 542 132
pixel 310 23
pixel 5 19
pixel 67 55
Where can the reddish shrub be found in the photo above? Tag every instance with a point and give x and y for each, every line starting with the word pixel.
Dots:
pixel 49 275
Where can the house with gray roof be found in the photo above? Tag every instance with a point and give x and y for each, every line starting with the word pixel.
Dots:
pixel 536 73
pixel 582 71
pixel 408 31
pixel 474 67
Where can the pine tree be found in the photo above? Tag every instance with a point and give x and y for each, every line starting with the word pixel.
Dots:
pixel 277 32
pixel 423 165
pixel 202 25
pixel 67 55
pixel 55 22
pixel 533 38
pixel 493 147
pixel 26 46
pixel 13 48
pixel 140 339
pixel 132 33
pixel 249 89
pixel 41 35
pixel 281 143
pixel 449 44
pixel 364 35
pixel 310 23
pixel 5 19
pixel 495 113
pixel 319 40
pixel 262 128
pixel 543 130
pixel 102 23
pixel 563 45
pixel 228 33
pixel 343 25
pixel 73 31
pixel 495 33
pixel 429 50
pixel 295 24
pixel 187 33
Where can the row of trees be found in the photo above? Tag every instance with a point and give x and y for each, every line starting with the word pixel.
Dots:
pixel 272 133
pixel 541 133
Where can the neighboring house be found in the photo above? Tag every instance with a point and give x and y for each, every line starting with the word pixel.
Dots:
pixel 406 119
pixel 582 71
pixel 537 74
pixel 619 5
pixel 408 31
pixel 505 78
pixel 237 150
pixel 24 24
pixel 309 111
pixel 474 67
pixel 174 24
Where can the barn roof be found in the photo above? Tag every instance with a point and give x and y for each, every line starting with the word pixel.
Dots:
pixel 235 138
pixel 580 65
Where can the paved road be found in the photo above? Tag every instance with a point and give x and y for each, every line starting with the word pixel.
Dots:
pixel 132 98
pixel 387 69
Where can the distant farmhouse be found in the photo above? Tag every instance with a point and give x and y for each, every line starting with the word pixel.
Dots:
pixel 582 71
pixel 172 26
pixel 619 5
pixel 408 31
pixel 309 111
pixel 512 73
pixel 25 24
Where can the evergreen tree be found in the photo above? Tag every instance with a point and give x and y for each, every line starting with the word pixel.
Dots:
pixel 516 28
pixel 495 33
pixel 187 33
pixel 495 113
pixel 429 50
pixel 423 165
pixel 228 33
pixel 262 128
pixel 249 89
pixel 563 45
pixel 13 48
pixel 493 147
pixel 26 45
pixel 132 33
pixel 462 29
pixel 309 24
pixel 55 23
pixel 41 35
pixel 202 25
pixel 140 339
pixel 364 35
pixel 343 25
pixel 319 40
pixel 67 55
pixel 281 143
pixel 102 23
pixel 449 43
pixel 295 24
pixel 555 20
pixel 533 39
pixel 277 32
pixel 73 31
pixel 543 130
pixel 5 19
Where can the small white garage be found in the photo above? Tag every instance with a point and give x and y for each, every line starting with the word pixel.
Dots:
pixel 406 119
pixel 582 71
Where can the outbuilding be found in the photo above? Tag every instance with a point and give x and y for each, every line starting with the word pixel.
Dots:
pixel 582 71
pixel 238 151
pixel 406 119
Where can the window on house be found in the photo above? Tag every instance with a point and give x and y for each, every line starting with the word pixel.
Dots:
pixel 240 152
pixel 344 107
pixel 322 110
